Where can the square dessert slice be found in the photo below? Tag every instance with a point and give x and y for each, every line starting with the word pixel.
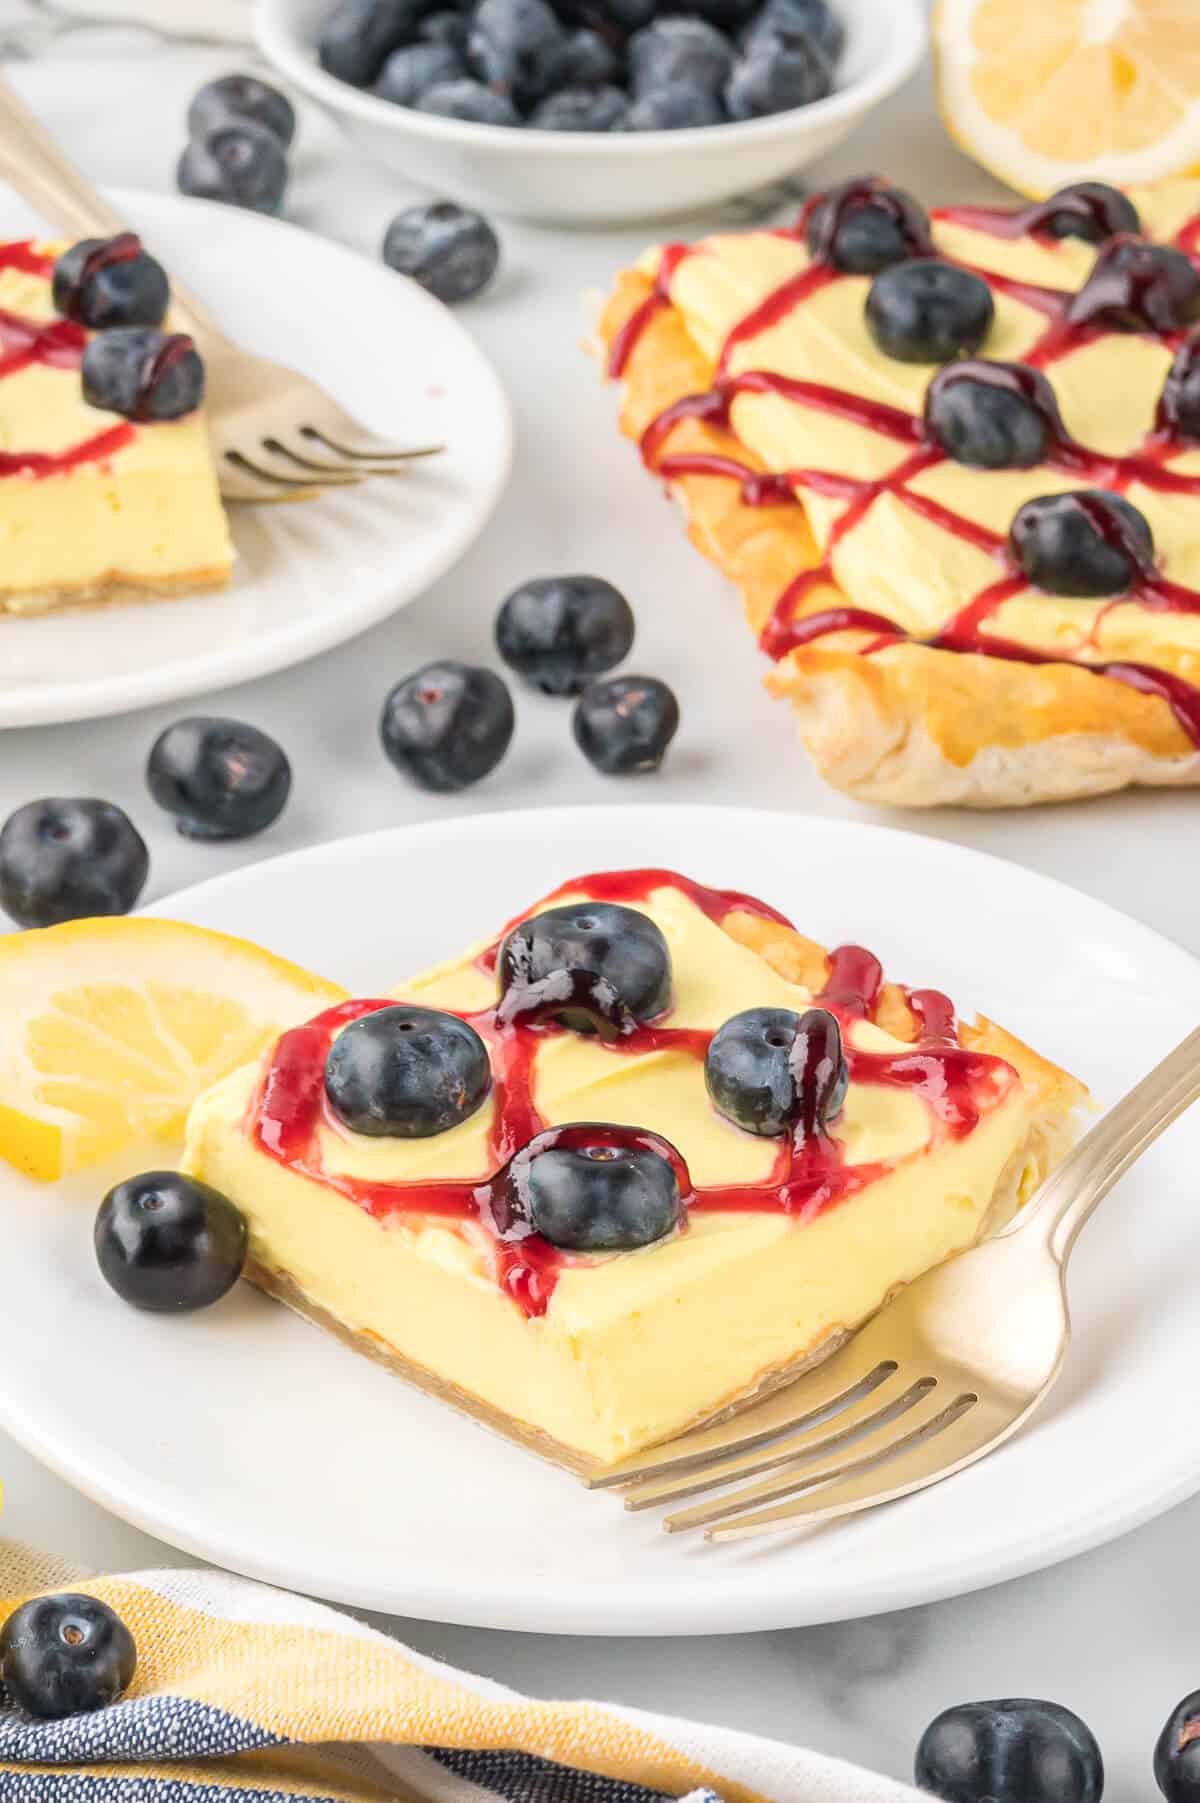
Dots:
pixel 93 507
pixel 432 1254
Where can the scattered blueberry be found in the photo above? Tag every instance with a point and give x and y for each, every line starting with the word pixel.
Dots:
pixel 592 966
pixel 447 725
pixel 66 1655
pixel 359 34
pixel 469 100
pixel 143 374
pixel 65 860
pixel 449 250
pixel 625 723
pixel 559 632
pixel 679 52
pixel 926 311
pixel 240 163
pixel 1177 1754
pixel 415 68
pixel 607 1196
pixel 674 109
pixel 169 1243
pixel 221 779
pixel 992 415
pixel 1137 287
pixel 407 1073
pixel 866 225
pixel 104 282
pixel 774 76
pixel 771 1071
pixel 1016 1750
pixel 1089 210
pixel 581 109
pixel 1179 404
pixel 1092 542
pixel 514 46
pixel 583 60
pixel 242 97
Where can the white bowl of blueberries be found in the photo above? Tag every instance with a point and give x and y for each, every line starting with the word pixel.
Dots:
pixel 584 111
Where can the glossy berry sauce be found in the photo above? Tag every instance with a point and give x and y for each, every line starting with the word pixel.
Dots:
pixel 1134 294
pixel 289 1110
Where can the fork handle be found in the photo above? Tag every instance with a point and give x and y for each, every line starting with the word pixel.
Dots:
pixel 1067 1200
pixel 32 163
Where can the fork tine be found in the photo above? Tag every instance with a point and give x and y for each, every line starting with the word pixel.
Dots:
pixel 316 466
pixel 240 481
pixel 874 1409
pixel 368 449
pixel 276 469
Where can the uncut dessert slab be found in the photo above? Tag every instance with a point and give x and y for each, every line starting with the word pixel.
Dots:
pixel 874 567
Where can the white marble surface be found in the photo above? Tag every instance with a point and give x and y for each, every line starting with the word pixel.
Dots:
pixel 1110 1633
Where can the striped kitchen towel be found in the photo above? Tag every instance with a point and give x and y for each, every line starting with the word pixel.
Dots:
pixel 249 1695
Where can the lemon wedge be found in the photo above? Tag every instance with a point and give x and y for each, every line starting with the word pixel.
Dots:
pixel 109 1030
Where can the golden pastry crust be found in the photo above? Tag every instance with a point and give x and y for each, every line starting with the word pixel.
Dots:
pixel 910 725
pixel 110 591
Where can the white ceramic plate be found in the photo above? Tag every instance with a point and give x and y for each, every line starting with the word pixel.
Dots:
pixel 249 1438
pixel 307 576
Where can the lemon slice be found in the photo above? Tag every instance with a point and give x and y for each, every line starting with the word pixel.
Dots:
pixel 1046 92
pixel 109 1029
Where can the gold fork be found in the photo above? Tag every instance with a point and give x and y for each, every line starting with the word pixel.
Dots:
pixel 942 1376
pixel 276 435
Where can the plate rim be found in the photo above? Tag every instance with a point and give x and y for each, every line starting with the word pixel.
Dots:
pixel 98 698
pixel 715 1606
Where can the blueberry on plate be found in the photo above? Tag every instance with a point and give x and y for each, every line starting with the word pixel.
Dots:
pixel 595 1188
pixel 143 374
pixel 450 28
pixel 581 109
pixel 1177 1753
pixel 1090 542
pixel 866 225
pixel 771 1071
pixel 66 1655
pixel 169 1243
pixel 407 1073
pixel 514 46
pixel 241 97
pixel 104 282
pixel 592 966
pixel 992 416
pixel 359 34
pixel 67 860
pixel 1179 404
pixel 559 632
pixel 239 163
pixel 221 779
pixel 415 68
pixel 1015 1750
pixel 447 725
pixel 584 60
pixel 448 249
pixel 624 724
pixel 688 53
pixel 675 109
pixel 471 101
pixel 776 75
pixel 925 311
pixel 1089 210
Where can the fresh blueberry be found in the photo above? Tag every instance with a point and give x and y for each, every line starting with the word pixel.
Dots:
pixel 221 779
pixel 1177 1754
pixel 559 632
pixel 1089 210
pixel 66 1655
pixel 1179 404
pixel 674 109
pixel 469 100
pixel 449 250
pixel 584 60
pixel 592 966
pixel 771 1071
pixel 729 16
pixel 67 860
pixel 1016 1750
pixel 1092 542
pixel 609 1195
pixel 775 76
pixel 169 1243
pixel 682 52
pixel 415 68
pixel 240 163
pixel 581 109
pixel 928 312
pixel 1138 287
pixel 866 225
pixel 407 1073
pixel 992 416
pixel 514 46
pixel 359 35
pixel 447 725
pixel 241 97
pixel 810 19
pixel 614 20
pixel 143 374
pixel 624 724
pixel 446 28
pixel 104 282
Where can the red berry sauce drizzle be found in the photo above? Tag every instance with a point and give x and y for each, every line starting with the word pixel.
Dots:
pixel 60 343
pixel 809 1174
pixel 1125 291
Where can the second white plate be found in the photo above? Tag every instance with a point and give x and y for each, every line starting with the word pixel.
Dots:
pixel 311 575
pixel 249 1438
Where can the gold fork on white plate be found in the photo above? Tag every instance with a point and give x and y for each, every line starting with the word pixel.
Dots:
pixel 943 1375
pixel 276 435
